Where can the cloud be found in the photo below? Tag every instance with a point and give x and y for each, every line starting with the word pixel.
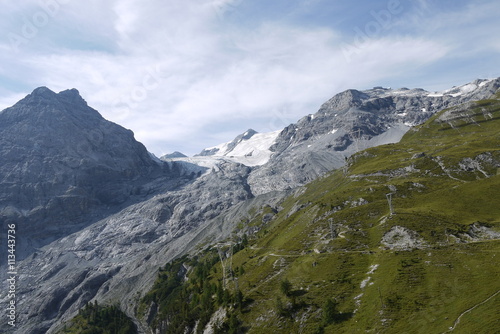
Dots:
pixel 468 27
pixel 183 76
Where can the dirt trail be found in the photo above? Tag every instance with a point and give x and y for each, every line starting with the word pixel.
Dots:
pixel 469 310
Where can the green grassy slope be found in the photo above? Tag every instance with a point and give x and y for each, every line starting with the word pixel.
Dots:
pixel 431 267
pixel 437 192
pixel 443 176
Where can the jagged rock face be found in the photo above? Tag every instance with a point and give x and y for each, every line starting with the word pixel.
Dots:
pixel 142 213
pixel 95 198
pixel 351 121
pixel 118 256
pixel 59 161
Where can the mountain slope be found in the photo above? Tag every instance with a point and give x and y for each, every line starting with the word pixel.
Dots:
pixel 159 211
pixel 348 122
pixel 250 148
pixel 61 162
pixel 332 258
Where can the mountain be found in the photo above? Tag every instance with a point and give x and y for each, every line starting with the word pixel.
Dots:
pixel 403 239
pixel 145 212
pixel 86 199
pixel 351 121
pixel 226 148
pixel 173 155
pixel 63 166
pixel 116 258
pixel 249 148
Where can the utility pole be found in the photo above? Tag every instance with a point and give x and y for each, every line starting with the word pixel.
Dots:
pixel 223 265
pixel 389 200
pixel 380 295
pixel 226 266
pixel 333 230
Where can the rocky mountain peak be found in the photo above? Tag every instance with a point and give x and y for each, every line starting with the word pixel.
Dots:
pixel 343 101
pixel 351 121
pixel 248 134
pixel 61 161
pixel 45 108
pixel 47 96
pixel 42 92
pixel 72 96
pixel 174 155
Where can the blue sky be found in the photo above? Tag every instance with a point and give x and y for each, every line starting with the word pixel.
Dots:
pixel 184 75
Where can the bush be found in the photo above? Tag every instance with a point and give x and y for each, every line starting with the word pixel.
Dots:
pixel 329 310
pixel 286 287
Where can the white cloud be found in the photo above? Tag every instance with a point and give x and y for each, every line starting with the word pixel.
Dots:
pixel 177 72
pixel 468 28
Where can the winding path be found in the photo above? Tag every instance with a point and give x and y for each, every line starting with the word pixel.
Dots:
pixel 469 310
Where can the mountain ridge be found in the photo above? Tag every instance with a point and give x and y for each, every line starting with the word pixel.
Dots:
pixel 176 206
pixel 340 255
pixel 61 162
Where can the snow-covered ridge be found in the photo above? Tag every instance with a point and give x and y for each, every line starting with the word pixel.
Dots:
pixel 455 91
pixel 253 151
pixel 464 89
pixel 250 148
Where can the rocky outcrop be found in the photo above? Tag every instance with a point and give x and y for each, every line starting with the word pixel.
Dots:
pixel 108 214
pixel 401 238
pixel 173 155
pixel 63 166
pixel 352 121
pixel 117 258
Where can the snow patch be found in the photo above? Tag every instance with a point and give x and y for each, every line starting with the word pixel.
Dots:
pixel 253 151
pixel 464 89
pixel 372 269
pixel 365 282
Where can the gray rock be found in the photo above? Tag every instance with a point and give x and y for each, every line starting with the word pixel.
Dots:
pixel 349 122
pixel 401 238
pixel 173 155
pixel 63 166
pixel 102 214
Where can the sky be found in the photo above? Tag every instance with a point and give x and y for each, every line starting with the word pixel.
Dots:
pixel 186 75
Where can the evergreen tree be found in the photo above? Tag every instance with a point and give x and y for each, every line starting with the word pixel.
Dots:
pixel 329 309
pixel 234 324
pixel 286 287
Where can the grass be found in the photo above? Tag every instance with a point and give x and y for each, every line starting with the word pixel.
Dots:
pixel 444 178
pixel 423 290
